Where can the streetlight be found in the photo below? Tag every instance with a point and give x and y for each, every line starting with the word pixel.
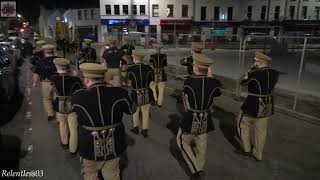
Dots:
pixel 19 16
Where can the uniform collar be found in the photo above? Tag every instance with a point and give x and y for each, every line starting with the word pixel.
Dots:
pixel 264 68
pixel 97 84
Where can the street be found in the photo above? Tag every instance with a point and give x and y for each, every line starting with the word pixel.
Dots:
pixel 291 151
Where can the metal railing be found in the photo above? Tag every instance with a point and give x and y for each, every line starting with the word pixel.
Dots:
pixel 296 58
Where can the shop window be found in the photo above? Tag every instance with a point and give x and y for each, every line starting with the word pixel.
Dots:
pixel 108 9
pixel 79 15
pixel 184 10
pixel 203 13
pixel 134 9
pixel 276 12
pixel 85 14
pixel 142 9
pixel 292 9
pixel 170 10
pixel 263 12
pixel 116 9
pixel 93 15
pixel 317 12
pixel 155 10
pixel 125 9
pixel 304 12
pixel 249 12
pixel 230 13
pixel 216 13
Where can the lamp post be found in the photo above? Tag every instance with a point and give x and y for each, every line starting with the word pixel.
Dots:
pixel 298 9
pixel 267 25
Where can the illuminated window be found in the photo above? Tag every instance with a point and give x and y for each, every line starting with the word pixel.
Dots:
pixel 170 10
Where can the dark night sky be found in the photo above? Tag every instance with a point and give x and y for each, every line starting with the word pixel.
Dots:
pixel 30 8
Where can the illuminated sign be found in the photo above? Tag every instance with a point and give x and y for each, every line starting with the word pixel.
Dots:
pixel 8 9
pixel 124 22
pixel 217 31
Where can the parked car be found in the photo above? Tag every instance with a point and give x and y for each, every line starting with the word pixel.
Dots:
pixel 15 51
pixel 10 95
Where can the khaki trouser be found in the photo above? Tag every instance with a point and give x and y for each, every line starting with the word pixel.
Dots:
pixel 109 169
pixel 47 95
pixel 68 123
pixel 260 129
pixel 124 73
pixel 145 116
pixel 194 157
pixel 158 97
pixel 112 74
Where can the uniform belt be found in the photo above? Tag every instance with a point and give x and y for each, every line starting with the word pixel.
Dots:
pixel 198 111
pixel 101 128
pixel 259 95
pixel 141 89
pixel 63 97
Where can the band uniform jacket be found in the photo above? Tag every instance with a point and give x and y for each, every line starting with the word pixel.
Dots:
pixel 126 50
pixel 36 57
pixel 189 63
pixel 88 55
pixel 112 57
pixel 159 61
pixel 261 83
pixel 198 95
pixel 64 86
pixel 100 110
pixel 140 76
pixel 45 68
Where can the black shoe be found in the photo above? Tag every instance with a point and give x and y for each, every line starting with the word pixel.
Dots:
pixel 64 146
pixel 135 130
pixel 198 175
pixel 240 152
pixel 51 118
pixel 160 106
pixel 256 159
pixel 73 154
pixel 144 133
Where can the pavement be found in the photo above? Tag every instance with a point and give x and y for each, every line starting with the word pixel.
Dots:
pixel 291 152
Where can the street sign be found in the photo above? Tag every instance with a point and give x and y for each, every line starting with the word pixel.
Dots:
pixel 8 9
pixel 217 31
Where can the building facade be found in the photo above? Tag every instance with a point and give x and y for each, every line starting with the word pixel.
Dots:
pixel 47 22
pixel 273 17
pixel 83 23
pixel 222 17
pixel 126 15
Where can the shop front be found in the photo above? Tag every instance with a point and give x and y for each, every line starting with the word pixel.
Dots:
pixel 119 26
pixel 171 29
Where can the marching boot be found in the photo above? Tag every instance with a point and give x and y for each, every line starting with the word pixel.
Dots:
pixel 144 133
pixel 135 130
pixel 241 152
pixel 51 118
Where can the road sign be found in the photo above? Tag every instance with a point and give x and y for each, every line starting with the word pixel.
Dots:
pixel 8 9
pixel 217 31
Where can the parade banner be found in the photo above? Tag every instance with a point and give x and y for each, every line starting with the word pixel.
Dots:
pixel 8 9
